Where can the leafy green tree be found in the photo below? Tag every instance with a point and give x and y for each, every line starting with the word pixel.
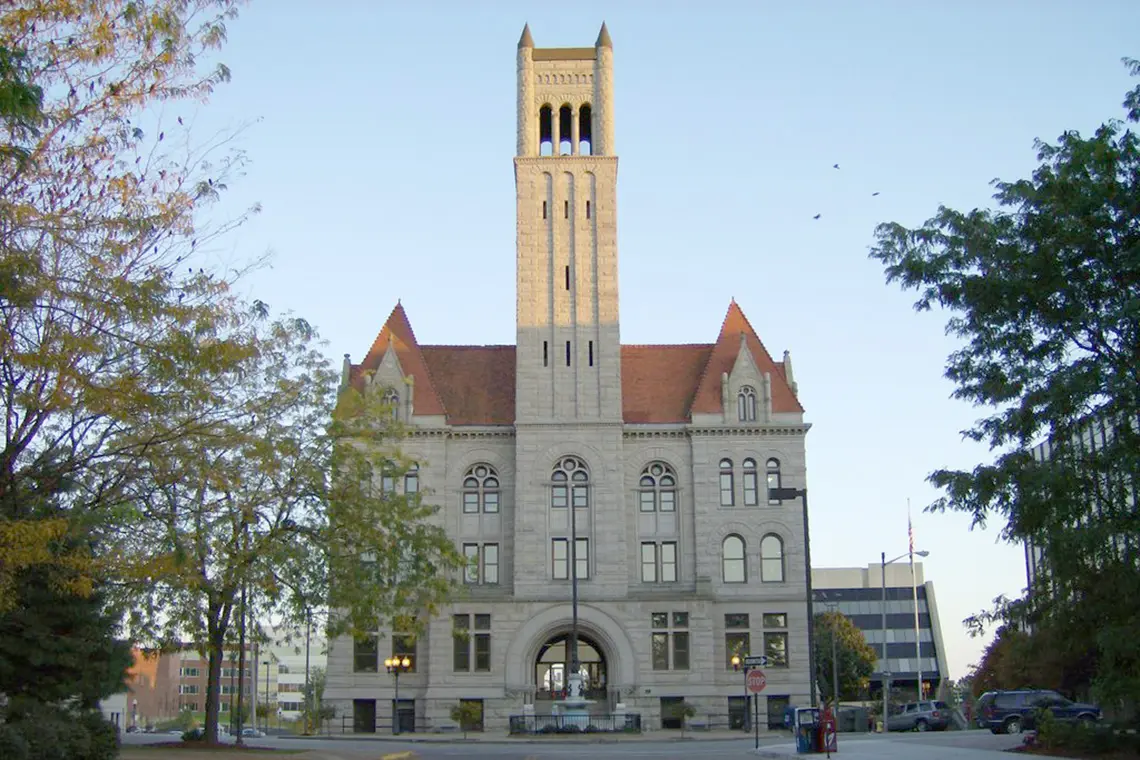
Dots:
pixel 855 657
pixel 103 312
pixel 1044 293
pixel 467 714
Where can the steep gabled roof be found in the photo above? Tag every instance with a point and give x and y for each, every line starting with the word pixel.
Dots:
pixel 658 382
pixel 722 357
pixel 476 383
pixel 397 332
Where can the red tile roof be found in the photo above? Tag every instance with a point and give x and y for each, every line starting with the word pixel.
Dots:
pixel 475 385
pixel 723 356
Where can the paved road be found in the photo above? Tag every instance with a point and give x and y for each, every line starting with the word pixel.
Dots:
pixel 981 745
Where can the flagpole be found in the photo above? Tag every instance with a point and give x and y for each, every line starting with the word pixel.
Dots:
pixel 914 591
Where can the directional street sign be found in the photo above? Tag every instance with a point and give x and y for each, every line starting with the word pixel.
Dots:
pixel 756 661
pixel 756 681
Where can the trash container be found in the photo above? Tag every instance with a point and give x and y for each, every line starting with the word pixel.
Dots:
pixel 806 728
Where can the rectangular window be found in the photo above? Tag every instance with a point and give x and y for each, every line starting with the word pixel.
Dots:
pixel 490 502
pixel 567 277
pixel 544 209
pixel 776 647
pixel 561 560
pixel 461 643
pixel 669 562
pixel 188 672
pixel 773 483
pixel 775 620
pixel 649 563
pixel 581 497
pixel 471 502
pixel 471 563
pixel 388 484
pixel 750 497
pixel 404 645
pixel 365 655
pixel 491 564
pixel 660 645
pixel 738 644
pixel 591 353
pixel 736 620
pixel 482 652
pixel 680 650
pixel 668 500
pixel 648 501
pixel 567 353
pixel 188 688
pixel 726 498
pixel 559 497
pixel 582 557
pixel 545 353
pixel 659 620
pixel 587 209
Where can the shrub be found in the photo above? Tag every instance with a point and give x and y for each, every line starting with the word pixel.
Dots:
pixel 13 745
pixel 1078 738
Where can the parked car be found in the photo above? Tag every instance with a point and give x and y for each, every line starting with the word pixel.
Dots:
pixel 920 716
pixel 1012 712
pixel 255 733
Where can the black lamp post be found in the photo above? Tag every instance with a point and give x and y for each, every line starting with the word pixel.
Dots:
pixel 792 493
pixel 266 664
pixel 395 666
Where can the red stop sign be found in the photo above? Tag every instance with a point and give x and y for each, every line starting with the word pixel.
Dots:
pixel 756 681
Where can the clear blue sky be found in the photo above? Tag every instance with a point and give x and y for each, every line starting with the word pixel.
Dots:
pixel 383 163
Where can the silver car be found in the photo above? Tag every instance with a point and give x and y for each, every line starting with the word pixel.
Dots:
pixel 920 716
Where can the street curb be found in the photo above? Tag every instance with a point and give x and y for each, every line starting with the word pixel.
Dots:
pixel 563 740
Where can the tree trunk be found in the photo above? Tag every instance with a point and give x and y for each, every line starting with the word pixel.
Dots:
pixel 215 644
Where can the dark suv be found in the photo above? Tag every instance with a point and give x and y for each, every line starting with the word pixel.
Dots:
pixel 1012 711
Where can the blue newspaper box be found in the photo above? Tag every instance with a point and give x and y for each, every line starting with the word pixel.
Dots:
pixel 806 727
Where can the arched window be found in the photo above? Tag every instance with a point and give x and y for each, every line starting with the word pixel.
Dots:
pixel 746 404
pixel 546 131
pixel 391 401
pixel 727 491
pixel 412 480
pixel 751 498
pixel 771 559
pixel 732 558
pixel 658 488
pixel 481 490
pixel 774 479
pixel 585 131
pixel 565 130
pixel 571 483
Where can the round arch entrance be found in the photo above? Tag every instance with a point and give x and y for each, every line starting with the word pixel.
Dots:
pixel 550 667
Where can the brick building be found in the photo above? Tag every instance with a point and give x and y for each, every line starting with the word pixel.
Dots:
pixel 664 453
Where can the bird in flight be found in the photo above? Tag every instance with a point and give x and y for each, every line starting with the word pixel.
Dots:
pixel 874 193
pixel 817 216
pixel 835 166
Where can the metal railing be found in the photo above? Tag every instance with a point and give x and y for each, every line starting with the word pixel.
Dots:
pixel 575 724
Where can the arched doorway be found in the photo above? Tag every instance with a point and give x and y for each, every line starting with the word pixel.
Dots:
pixel 551 662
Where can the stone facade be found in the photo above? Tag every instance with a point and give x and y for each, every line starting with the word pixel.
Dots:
pixel 663 453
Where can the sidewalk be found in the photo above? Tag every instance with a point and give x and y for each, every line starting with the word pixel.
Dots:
pixel 878 748
pixel 501 737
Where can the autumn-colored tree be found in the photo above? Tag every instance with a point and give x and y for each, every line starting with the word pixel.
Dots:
pixel 104 318
pixel 250 502
pixel 855 657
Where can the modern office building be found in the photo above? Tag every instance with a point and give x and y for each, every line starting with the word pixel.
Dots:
pixel 857 592
pixel 663 454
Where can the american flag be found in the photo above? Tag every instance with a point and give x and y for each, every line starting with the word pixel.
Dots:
pixel 910 535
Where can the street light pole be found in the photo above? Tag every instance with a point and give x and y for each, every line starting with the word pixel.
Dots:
pixel 886 674
pixel 395 666
pixel 266 664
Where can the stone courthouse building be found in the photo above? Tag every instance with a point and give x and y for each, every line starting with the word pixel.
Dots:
pixel 664 452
